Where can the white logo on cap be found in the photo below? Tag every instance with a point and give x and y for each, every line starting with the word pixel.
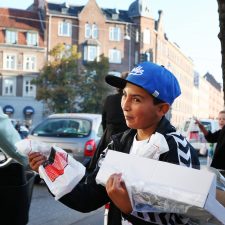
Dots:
pixel 155 94
pixel 137 71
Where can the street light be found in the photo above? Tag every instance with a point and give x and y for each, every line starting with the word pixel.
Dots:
pixel 128 38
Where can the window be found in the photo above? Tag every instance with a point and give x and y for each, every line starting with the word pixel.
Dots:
pixel 9 86
pixel 29 63
pixel 91 31
pixel 66 128
pixel 94 31
pixel 11 37
pixel 64 29
pixel 32 38
pixel 146 39
pixel 91 52
pixel 66 52
pixel 114 56
pixel 87 30
pixel 114 34
pixel 29 89
pixel 137 35
pixel 10 61
pixel 136 55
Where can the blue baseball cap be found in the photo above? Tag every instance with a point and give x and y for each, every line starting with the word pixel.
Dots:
pixel 155 79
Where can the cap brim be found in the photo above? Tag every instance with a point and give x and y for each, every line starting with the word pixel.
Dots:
pixel 116 81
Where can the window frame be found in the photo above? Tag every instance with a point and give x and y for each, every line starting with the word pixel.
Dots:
pixel 114 34
pixel 94 31
pixel 87 53
pixel 115 56
pixel 88 30
pixel 8 36
pixel 32 41
pixel 32 64
pixel 4 86
pixel 146 36
pixel 29 92
pixel 64 25
pixel 7 64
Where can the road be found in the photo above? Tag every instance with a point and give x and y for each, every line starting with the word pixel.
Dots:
pixel 45 210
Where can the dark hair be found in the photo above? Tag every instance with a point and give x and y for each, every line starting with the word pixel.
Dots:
pixel 223 111
pixel 157 101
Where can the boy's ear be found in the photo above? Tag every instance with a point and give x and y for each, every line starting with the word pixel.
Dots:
pixel 163 108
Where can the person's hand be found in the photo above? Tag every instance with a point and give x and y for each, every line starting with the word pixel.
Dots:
pixel 196 121
pixel 117 192
pixel 35 160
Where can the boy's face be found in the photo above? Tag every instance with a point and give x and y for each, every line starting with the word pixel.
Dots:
pixel 138 108
pixel 221 119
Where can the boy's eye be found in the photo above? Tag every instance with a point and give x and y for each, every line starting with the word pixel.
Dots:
pixel 136 99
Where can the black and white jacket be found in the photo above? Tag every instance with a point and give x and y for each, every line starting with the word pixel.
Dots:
pixel 88 196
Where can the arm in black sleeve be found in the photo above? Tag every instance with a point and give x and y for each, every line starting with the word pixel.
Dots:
pixel 86 196
pixel 212 137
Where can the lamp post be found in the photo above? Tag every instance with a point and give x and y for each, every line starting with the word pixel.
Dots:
pixel 128 38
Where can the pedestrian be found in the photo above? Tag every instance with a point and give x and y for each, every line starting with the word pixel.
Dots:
pixel 218 137
pixel 148 92
pixel 18 128
pixel 113 121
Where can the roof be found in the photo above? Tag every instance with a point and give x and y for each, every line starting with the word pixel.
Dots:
pixel 122 15
pixel 19 19
pixel 210 78
pixel 73 10
pixel 63 9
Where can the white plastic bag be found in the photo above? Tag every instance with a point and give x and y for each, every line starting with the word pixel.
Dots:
pixel 60 171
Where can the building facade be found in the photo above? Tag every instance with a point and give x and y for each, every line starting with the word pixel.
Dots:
pixel 126 37
pixel 22 55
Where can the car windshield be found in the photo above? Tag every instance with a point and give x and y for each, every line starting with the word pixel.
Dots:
pixel 63 127
pixel 207 125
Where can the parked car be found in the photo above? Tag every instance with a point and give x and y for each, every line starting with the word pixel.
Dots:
pixel 76 133
pixel 191 131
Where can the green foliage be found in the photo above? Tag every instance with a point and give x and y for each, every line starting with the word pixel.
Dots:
pixel 58 83
pixel 94 88
pixel 64 89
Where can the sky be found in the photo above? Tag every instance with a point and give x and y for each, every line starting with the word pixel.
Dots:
pixel 192 24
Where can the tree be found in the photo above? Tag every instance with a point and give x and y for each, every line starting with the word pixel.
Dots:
pixel 221 36
pixel 58 84
pixel 94 88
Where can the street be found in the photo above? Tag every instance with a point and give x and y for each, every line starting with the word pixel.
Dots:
pixel 45 210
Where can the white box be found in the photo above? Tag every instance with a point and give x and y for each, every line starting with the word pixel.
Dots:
pixel 185 186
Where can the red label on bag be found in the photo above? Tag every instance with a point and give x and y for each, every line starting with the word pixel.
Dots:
pixel 56 168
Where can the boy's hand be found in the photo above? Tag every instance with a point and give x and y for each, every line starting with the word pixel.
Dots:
pixel 35 160
pixel 117 192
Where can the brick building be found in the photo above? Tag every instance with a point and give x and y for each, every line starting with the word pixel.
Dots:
pixel 126 37
pixel 22 55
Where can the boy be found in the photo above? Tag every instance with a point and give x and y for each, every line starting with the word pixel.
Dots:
pixel 148 92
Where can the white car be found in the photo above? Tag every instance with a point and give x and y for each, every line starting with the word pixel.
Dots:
pixel 76 133
pixel 191 131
